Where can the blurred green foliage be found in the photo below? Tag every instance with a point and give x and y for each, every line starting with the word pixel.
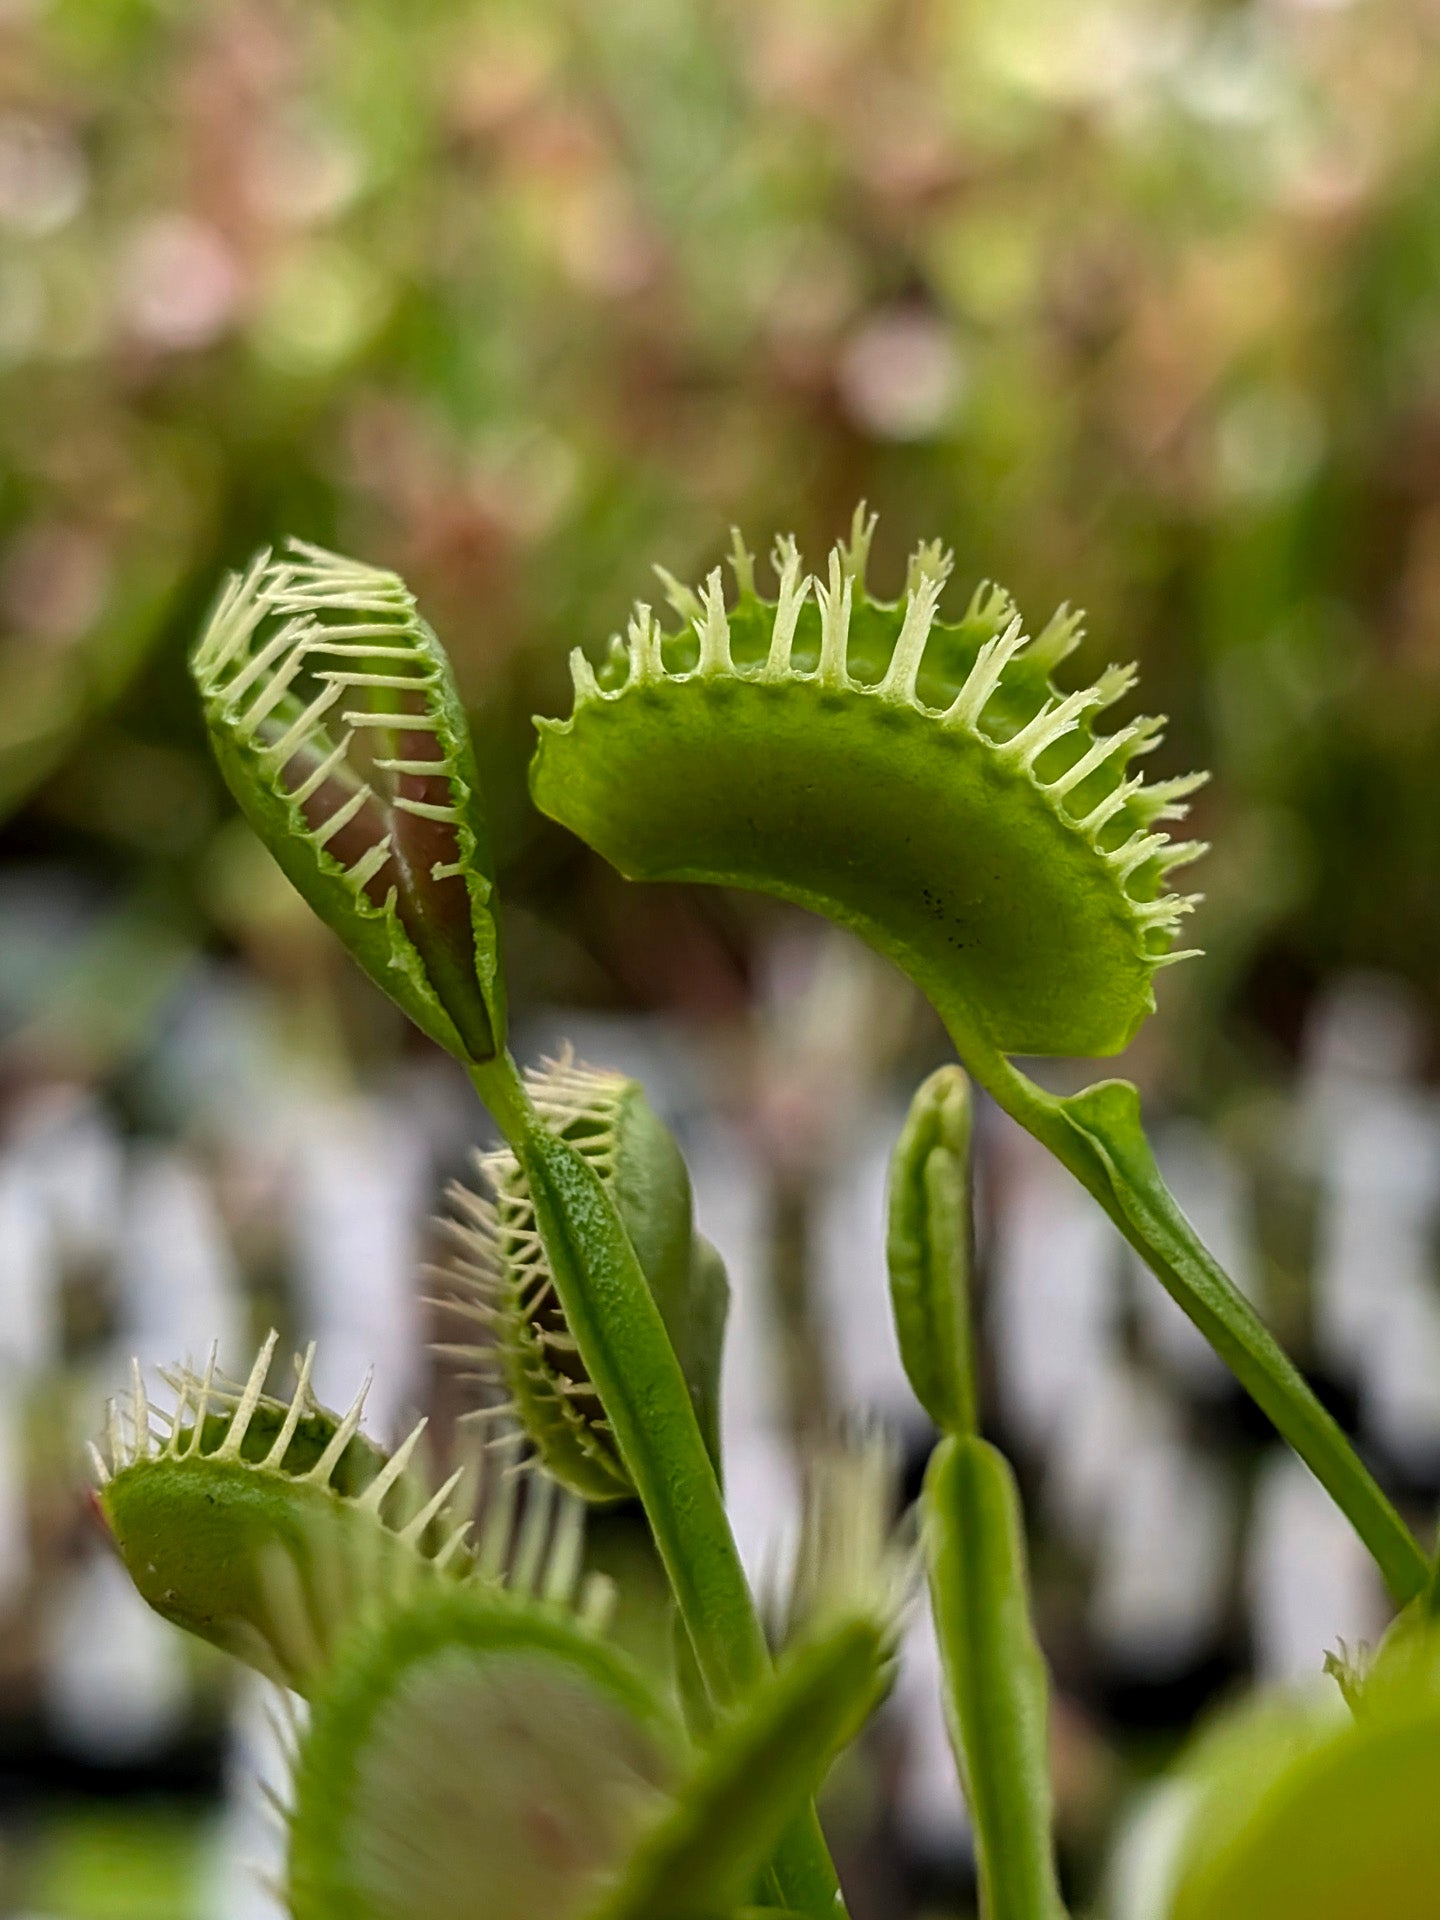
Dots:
pixel 1135 301
pixel 146 1863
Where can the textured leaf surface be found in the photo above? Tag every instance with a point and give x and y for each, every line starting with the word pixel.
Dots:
pixel 920 782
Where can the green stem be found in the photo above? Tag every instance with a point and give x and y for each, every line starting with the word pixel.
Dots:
pixel 1098 1136
pixel 996 1686
pixel 612 1315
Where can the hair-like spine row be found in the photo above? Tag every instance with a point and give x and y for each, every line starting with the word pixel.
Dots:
pixel 497 1277
pixel 131 1440
pixel 1121 825
pixel 368 663
pixel 851 1554
pixel 527 1541
pixel 337 724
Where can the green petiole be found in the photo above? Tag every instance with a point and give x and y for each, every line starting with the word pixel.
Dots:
pixel 1097 1134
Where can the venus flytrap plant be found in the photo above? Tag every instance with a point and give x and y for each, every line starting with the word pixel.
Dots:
pixel 498 1277
pixel 621 1338
pixel 199 1511
pixel 336 723
pixel 923 782
pixel 475 1745
pixel 926 784
pixel 334 718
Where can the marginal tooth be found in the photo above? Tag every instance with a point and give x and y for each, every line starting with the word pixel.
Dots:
pixel 393 1468
pixel 229 1448
pixel 1052 723
pixel 139 1412
pixel 97 1460
pixel 1167 910
pixel 274 689
pixel 478 1207
pixel 1104 811
pixel 596 1605
pixel 582 675
pixel 683 599
pixel 1139 848
pixel 1159 960
pixel 984 677
pixel 567 1552
pixel 339 1440
pixel 285 747
pixel 1182 852
pixel 855 552
pixel 644 634
pixel 534 1534
pixel 573 1389
pixel 394 722
pixel 115 1436
pixel 299 1400
pixel 930 557
pixel 260 663
pixel 453 1547
pixel 1059 638
pixel 171 1448
pixel 1164 799
pixel 792 595
pixel 202 1402
pixel 369 864
pixel 990 607
pixel 410 1536
pixel 443 811
pixel 835 601
pixel 313 782
pixel 498 1518
pixel 324 561
pixel 904 668
pixel 713 627
pixel 1093 758
pixel 381 682
pixel 742 565
pixel 237 614
pixel 341 817
pixel 336 642
pixel 1115 683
